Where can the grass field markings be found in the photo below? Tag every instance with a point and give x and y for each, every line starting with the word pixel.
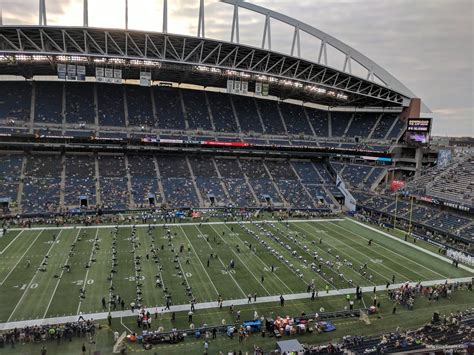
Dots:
pixel 59 279
pixel 417 247
pixel 145 225
pixel 352 257
pixel 277 246
pixel 11 242
pixel 210 246
pixel 264 264
pixel 200 262
pixel 243 263
pixel 307 252
pixel 392 271
pixel 21 258
pixel 304 251
pixel 34 275
pixel 147 265
pixel 394 253
pixel 87 271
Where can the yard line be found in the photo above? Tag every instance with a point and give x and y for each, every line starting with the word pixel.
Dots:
pixel 396 272
pixel 276 230
pixel 230 274
pixel 279 247
pixel 359 252
pixel 34 275
pixel 189 243
pixel 391 251
pixel 241 261
pixel 343 252
pixel 283 283
pixel 59 279
pixel 88 269
pixel 1 252
pixel 461 266
pixel 212 304
pixel 19 260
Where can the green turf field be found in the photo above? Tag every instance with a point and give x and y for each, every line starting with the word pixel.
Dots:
pixel 26 293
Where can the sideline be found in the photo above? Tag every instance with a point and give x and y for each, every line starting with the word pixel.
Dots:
pixel 143 225
pixel 209 305
pixel 461 266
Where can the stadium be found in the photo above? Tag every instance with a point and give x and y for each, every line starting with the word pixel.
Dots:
pixel 171 193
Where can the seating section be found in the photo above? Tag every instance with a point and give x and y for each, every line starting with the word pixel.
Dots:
pixel 271 117
pixel 383 126
pixel 15 101
pixel 176 180
pixel 10 173
pixel 180 181
pixel 287 181
pixel 247 114
pixel 396 129
pixel 307 172
pixel 319 121
pixel 356 175
pixel 197 110
pixel 169 108
pixel 113 182
pixel 80 107
pixel 429 216
pixel 222 112
pixel 145 109
pixel 456 184
pixel 140 111
pixel 41 186
pixel 295 119
pixel 208 182
pixel 234 182
pixel 452 183
pixel 143 179
pixel 376 173
pixel 339 122
pixel 111 107
pixel 362 124
pixel 449 222
pixel 49 102
pixel 260 181
pixel 80 181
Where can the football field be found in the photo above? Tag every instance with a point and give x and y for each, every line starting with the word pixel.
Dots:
pixel 194 260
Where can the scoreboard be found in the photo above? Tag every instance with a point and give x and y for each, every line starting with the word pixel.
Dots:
pixel 419 125
pixel 418 130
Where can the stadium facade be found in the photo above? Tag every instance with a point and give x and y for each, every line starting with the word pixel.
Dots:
pixel 117 119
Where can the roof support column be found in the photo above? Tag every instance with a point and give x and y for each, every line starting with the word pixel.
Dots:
pixel 42 13
pixel 201 19
pixel 235 25
pixel 267 33
pixel 86 14
pixel 165 16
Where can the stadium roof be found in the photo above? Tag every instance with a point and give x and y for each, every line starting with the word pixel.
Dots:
pixel 35 50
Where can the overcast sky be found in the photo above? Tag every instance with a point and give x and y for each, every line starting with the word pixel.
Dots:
pixel 426 44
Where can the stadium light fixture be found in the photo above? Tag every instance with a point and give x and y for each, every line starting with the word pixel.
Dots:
pixel 22 58
pixel 74 59
pixel 40 58
pixel 117 61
